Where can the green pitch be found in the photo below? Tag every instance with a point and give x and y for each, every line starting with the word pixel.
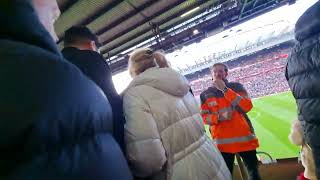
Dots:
pixel 271 118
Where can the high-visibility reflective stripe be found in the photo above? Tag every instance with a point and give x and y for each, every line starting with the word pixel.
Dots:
pixel 212 103
pixel 209 120
pixel 236 101
pixel 228 109
pixel 225 114
pixel 204 112
pixel 223 118
pixel 235 140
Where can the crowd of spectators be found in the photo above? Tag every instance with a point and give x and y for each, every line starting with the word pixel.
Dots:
pixel 262 73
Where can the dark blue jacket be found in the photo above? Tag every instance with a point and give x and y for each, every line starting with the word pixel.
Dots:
pixel 54 122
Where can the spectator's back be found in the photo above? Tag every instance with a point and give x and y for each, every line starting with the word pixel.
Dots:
pixel 80 49
pixel 304 77
pixel 55 123
pixel 164 133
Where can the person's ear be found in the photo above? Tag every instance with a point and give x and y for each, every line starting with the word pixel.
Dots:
pixel 93 46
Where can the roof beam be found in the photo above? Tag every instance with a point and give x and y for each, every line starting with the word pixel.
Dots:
pixel 145 35
pixel 174 12
pixel 138 10
pixel 81 13
pixel 65 4
pixel 106 37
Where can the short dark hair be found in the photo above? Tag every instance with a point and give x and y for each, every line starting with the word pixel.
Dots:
pixel 79 34
pixel 221 64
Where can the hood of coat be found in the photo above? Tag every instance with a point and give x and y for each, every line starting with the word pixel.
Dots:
pixel 308 24
pixel 19 22
pixel 164 79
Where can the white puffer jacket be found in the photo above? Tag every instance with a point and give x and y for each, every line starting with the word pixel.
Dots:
pixel 164 134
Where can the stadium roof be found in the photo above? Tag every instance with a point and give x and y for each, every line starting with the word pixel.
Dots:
pixel 270 24
pixel 122 25
pixel 274 24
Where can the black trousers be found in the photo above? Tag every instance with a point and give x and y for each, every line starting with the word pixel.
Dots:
pixel 250 160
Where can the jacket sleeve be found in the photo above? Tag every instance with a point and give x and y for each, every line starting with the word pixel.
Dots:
pixel 101 74
pixel 145 152
pixel 208 115
pixel 239 99
pixel 103 77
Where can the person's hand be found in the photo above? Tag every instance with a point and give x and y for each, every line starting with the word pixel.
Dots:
pixel 219 84
pixel 296 134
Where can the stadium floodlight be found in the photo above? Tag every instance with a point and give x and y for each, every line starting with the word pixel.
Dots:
pixel 196 31
pixel 189 12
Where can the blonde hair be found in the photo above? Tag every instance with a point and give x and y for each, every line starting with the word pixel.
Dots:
pixel 307 159
pixel 145 58
pixel 161 59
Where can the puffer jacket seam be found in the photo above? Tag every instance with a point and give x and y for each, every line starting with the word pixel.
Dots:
pixel 32 47
pixel 135 141
pixel 187 152
pixel 182 119
pixel 307 98
pixel 309 71
pixel 310 41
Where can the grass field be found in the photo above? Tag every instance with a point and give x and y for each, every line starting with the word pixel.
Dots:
pixel 271 118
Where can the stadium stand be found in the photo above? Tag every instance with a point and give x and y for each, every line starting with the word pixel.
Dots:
pixel 232 45
pixel 261 73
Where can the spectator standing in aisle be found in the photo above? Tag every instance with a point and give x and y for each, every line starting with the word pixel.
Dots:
pixel 224 107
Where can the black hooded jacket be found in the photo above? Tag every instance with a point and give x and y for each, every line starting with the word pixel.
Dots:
pixel 94 66
pixel 303 75
pixel 303 68
pixel 54 122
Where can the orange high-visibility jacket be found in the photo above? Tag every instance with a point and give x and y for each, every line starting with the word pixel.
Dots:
pixel 225 113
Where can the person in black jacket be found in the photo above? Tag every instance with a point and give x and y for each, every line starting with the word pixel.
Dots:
pixel 81 48
pixel 54 122
pixel 303 75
